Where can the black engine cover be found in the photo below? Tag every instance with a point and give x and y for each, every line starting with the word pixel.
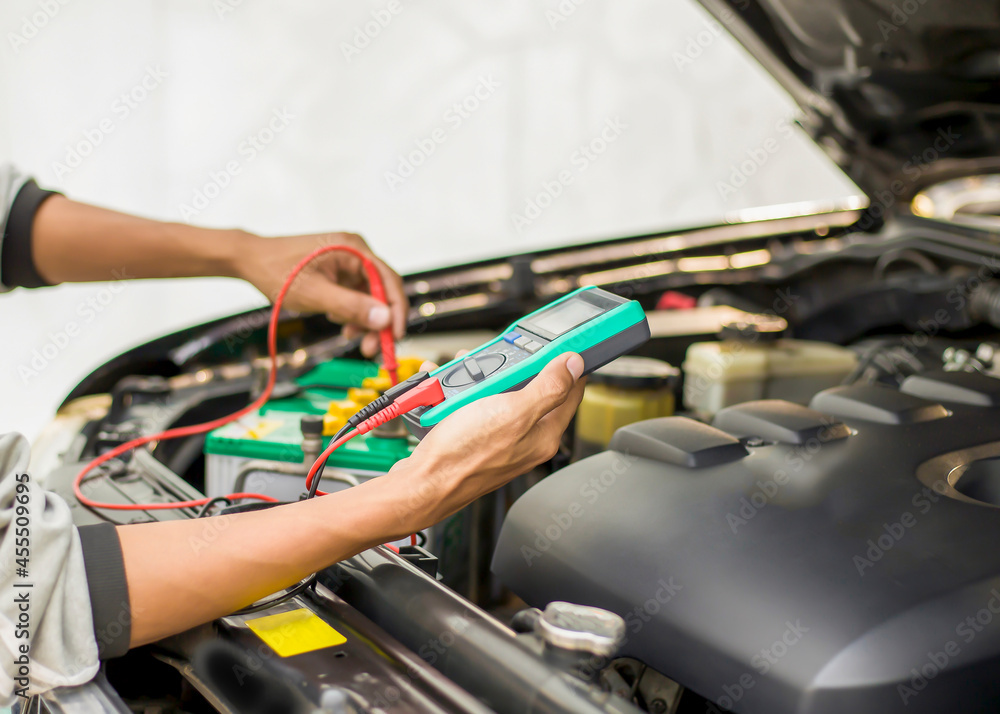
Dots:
pixel 785 559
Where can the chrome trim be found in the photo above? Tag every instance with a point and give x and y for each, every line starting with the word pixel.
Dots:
pixel 698 238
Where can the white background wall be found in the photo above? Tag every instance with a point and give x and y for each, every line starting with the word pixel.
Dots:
pixel 691 104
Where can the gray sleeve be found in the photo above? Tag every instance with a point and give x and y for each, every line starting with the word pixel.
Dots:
pixel 53 614
pixel 20 198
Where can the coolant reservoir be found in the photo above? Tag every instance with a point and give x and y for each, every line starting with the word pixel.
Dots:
pixel 731 371
pixel 626 390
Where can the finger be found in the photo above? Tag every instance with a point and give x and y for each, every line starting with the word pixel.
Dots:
pixel 349 332
pixel 398 304
pixel 352 273
pixel 553 384
pixel 342 304
pixel 370 344
pixel 428 366
pixel 341 259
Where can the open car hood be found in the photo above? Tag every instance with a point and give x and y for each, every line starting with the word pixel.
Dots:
pixel 900 93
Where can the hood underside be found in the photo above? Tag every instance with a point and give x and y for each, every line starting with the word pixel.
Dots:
pixel 900 93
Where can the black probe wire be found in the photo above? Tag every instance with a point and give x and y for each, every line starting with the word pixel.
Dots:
pixel 208 506
pixel 313 579
pixel 364 414
pixel 368 411
pixel 314 486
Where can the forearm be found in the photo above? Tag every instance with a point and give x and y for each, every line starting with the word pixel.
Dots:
pixel 50 239
pixel 76 242
pixel 184 573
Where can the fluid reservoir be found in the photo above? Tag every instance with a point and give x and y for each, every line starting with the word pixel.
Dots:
pixel 746 366
pixel 627 390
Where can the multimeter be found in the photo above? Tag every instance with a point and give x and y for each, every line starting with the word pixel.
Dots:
pixel 596 324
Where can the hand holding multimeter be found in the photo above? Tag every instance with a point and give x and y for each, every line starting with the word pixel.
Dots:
pixel 598 325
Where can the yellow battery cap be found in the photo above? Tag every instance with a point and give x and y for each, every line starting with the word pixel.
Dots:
pixel 333 423
pixel 362 396
pixel 408 366
pixel 380 383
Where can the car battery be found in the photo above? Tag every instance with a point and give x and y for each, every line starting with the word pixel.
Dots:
pixel 263 451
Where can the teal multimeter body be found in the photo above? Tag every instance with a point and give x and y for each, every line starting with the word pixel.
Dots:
pixel 594 323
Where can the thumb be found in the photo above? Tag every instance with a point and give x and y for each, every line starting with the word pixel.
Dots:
pixel 553 384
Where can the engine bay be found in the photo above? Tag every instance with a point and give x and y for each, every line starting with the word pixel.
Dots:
pixel 784 501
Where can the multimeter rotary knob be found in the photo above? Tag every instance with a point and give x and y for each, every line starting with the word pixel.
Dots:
pixel 474 368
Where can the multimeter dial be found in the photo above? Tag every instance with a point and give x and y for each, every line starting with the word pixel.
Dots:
pixel 474 368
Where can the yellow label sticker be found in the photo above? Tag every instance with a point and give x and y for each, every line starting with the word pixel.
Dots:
pixel 292 633
pixel 262 428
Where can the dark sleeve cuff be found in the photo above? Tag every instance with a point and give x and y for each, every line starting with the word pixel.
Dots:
pixel 17 264
pixel 102 557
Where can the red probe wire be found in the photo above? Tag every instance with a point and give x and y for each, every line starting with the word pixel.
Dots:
pixel 389 362
pixel 427 393
pixel 318 463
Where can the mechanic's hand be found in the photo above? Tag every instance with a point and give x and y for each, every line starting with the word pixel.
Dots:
pixel 484 445
pixel 334 283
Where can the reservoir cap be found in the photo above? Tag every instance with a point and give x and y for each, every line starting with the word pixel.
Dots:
pixel 636 373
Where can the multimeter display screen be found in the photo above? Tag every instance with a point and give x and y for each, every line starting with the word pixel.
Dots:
pixel 564 316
